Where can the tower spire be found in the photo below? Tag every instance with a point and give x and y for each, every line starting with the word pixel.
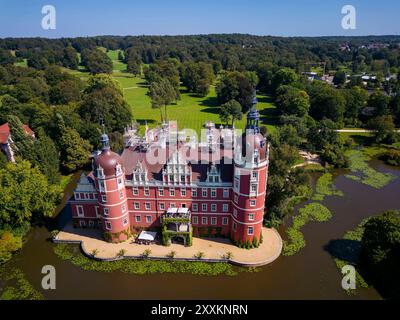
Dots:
pixel 104 140
pixel 253 116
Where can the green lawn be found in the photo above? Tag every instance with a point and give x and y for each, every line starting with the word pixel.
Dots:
pixel 190 112
pixel 117 65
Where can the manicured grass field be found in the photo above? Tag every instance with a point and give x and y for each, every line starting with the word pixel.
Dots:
pixel 190 112
pixel 117 65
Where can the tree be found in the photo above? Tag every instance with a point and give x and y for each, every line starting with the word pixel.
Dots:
pixel 65 92
pixel 162 94
pixel 25 194
pixel 9 243
pixel 70 59
pixel 383 128
pixel 380 102
pixel 326 102
pixel 22 143
pixel 235 86
pixel 46 157
pixel 96 61
pixel 355 100
pixel 284 76
pixel 6 57
pixel 103 102
pixel 339 79
pixel 380 255
pixel 197 77
pixel 74 151
pixel 293 101
pixel 134 66
pixel 230 111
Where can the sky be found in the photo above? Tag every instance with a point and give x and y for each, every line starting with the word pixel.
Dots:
pixel 23 18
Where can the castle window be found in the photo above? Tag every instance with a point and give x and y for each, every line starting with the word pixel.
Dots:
pixel 91 223
pixel 86 196
pixel 79 210
pixel 225 221
pixel 172 205
pixel 161 192
pixel 213 193
pixel 250 231
pixel 172 192
pixel 195 220
pixel 82 224
pixel 234 226
pixel 236 198
pixel 125 222
pixel 77 196
pixel 147 206
pixel 118 169
pixel 194 193
pixel 143 176
pixel 204 207
pixel 162 206
pixel 102 186
pixel 121 195
pixel 171 178
pixel 254 175
pixel 137 218
pixel 108 225
pixel 119 181
pixel 213 220
pixel 146 191
pixel 213 207
pixel 235 213
pixel 195 207
pixel 225 207
pixel 96 209
pixel 137 205
pixel 183 192
pixel 106 211
pixel 253 188
pixel 236 184
pixel 148 219
pixel 100 172
pixel 183 179
pixel 103 198
pixel 226 193
pixel 123 207
pixel 204 220
pixel 135 191
pixel 252 203
pixel 204 192
pixel 251 216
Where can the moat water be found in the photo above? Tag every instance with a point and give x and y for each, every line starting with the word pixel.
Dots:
pixel 309 274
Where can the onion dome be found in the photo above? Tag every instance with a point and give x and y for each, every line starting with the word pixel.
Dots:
pixel 107 163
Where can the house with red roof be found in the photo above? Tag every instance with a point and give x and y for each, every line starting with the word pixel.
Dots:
pixel 6 139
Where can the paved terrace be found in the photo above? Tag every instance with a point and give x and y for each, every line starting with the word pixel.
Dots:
pixel 213 248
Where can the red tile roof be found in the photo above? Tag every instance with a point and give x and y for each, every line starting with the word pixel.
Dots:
pixel 5 132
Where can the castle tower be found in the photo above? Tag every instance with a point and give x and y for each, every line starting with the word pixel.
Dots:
pixel 110 186
pixel 250 180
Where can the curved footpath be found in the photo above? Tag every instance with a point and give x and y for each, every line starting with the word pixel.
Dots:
pixel 214 249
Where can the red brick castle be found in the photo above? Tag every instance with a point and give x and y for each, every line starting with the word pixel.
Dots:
pixel 211 188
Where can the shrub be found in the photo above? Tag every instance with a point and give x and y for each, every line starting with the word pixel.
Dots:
pixel 146 253
pixel 391 157
pixel 199 255
pixel 171 254
pixel 121 253
pixel 255 242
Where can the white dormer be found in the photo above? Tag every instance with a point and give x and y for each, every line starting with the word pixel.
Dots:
pixel 139 175
pixel 100 172
pixel 213 175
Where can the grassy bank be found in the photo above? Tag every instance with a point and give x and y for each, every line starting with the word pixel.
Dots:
pixel 72 254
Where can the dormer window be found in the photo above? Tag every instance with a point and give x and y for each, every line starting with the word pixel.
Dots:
pixel 100 172
pixel 118 169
